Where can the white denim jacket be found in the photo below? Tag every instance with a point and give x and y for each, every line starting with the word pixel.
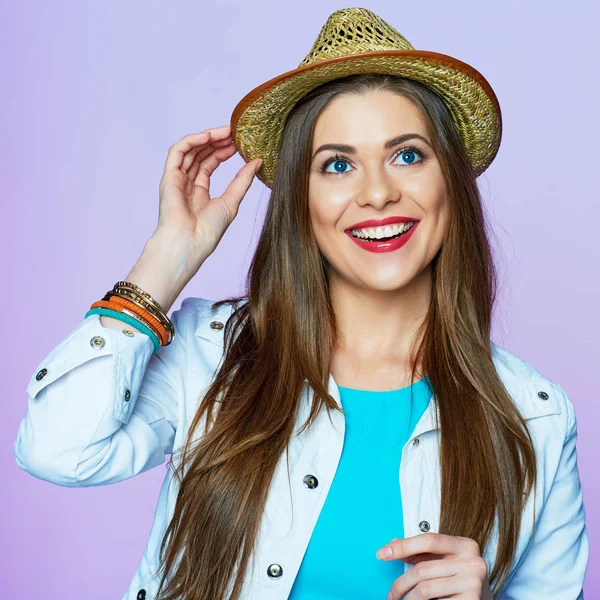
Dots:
pixel 103 408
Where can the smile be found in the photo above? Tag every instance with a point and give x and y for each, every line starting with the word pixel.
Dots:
pixel 395 237
pixel 385 233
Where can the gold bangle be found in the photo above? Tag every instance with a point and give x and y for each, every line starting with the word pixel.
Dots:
pixel 141 292
pixel 145 297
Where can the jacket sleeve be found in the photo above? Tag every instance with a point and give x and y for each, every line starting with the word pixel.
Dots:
pixel 101 407
pixel 555 563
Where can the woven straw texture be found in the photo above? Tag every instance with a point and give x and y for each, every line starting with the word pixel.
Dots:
pixel 339 50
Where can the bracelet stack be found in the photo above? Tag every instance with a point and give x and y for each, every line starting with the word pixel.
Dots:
pixel 130 304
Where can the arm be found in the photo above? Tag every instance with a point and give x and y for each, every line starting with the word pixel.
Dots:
pixel 82 428
pixel 100 413
pixel 555 563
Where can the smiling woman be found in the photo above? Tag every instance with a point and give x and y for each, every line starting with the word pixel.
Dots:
pixel 353 395
pixel 324 318
pixel 381 180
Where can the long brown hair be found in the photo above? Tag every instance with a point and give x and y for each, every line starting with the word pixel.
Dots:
pixel 282 332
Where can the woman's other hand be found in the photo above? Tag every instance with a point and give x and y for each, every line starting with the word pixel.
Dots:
pixel 460 573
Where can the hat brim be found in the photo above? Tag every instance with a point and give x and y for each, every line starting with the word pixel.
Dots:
pixel 258 120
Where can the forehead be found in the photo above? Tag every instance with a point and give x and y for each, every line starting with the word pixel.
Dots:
pixel 368 118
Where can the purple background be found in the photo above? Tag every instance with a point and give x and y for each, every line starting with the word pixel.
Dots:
pixel 93 96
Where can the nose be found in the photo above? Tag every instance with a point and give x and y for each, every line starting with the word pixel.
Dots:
pixel 378 188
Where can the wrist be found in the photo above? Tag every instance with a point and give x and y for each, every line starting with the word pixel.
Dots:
pixel 163 270
pixel 189 255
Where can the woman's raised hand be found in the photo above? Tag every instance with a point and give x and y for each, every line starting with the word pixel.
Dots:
pixel 186 209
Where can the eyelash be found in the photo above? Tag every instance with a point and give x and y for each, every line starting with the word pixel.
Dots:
pixel 337 157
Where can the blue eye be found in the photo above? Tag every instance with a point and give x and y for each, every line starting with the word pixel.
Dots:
pixel 409 152
pixel 338 165
pixel 339 162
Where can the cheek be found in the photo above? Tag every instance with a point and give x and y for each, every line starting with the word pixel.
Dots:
pixel 438 217
pixel 326 210
pixel 436 205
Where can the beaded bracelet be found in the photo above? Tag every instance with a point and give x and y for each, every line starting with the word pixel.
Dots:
pixel 129 303
pixel 126 311
pixel 147 309
pixel 139 296
pixel 107 312
pixel 119 304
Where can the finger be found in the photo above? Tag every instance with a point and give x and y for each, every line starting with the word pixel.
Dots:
pixel 190 155
pixel 207 152
pixel 433 569
pixel 237 189
pixel 199 152
pixel 436 589
pixel 207 166
pixel 431 543
pixel 415 559
pixel 178 150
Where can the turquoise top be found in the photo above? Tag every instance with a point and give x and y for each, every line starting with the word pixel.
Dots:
pixel 363 509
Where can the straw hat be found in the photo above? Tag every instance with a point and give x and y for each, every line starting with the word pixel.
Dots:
pixel 355 40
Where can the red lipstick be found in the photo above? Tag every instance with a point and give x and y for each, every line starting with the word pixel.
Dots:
pixel 387 245
pixel 382 222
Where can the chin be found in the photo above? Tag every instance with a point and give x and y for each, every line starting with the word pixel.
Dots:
pixel 386 285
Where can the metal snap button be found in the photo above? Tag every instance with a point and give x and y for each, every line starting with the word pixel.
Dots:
pixel 141 595
pixel 97 342
pixel 310 481
pixel 128 332
pixel 274 571
pixel 41 374
pixel 424 526
pixel 416 442
pixel 543 395
pixel 127 395
pixel 216 325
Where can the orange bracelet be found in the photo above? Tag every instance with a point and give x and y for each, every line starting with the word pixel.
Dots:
pixel 159 329
pixel 164 334
pixel 117 303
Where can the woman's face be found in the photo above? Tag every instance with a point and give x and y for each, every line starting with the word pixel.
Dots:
pixel 369 179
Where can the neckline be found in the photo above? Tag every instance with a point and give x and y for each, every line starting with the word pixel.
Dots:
pixel 406 387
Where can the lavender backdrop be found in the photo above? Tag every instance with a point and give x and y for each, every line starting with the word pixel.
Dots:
pixel 93 96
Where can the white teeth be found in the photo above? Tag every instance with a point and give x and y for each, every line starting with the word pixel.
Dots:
pixel 376 233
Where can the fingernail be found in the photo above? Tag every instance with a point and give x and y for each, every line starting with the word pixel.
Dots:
pixel 384 552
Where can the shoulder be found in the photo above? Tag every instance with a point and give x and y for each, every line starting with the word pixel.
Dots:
pixel 534 394
pixel 202 319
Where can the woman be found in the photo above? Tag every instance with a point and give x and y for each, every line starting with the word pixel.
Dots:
pixel 371 289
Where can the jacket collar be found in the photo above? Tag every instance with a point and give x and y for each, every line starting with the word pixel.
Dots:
pixel 521 380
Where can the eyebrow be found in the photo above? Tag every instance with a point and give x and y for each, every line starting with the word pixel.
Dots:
pixel 400 139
